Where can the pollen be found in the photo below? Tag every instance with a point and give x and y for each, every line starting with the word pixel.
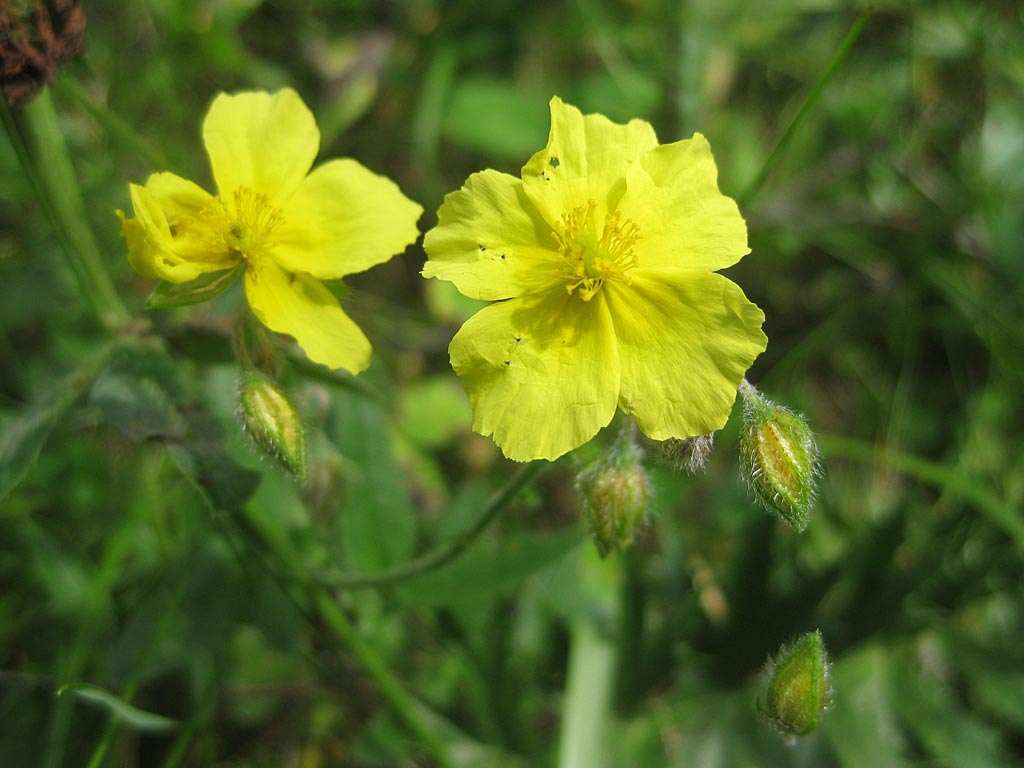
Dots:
pixel 595 251
pixel 238 227
pixel 253 220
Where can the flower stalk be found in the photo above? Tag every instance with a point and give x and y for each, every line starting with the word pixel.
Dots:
pixel 35 133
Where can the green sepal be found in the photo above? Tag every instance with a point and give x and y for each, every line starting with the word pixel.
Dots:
pixel 167 295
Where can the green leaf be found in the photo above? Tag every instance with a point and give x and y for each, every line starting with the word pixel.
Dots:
pixel 24 439
pixel 949 732
pixel 139 719
pixel 862 726
pixel 167 295
pixel 377 522
pixel 137 393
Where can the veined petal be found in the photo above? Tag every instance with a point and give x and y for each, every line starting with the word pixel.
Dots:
pixel 541 372
pixel 684 346
pixel 178 197
pixel 685 221
pixel 586 158
pixel 343 219
pixel 154 252
pixel 265 142
pixel 302 307
pixel 491 241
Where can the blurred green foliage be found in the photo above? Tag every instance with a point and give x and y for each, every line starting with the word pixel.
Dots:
pixel 142 540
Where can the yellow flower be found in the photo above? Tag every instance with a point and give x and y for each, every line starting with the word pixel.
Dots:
pixel 600 261
pixel 288 227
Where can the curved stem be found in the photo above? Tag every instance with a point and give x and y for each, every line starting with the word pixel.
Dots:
pixel 444 554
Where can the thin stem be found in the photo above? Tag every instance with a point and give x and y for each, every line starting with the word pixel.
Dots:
pixel 809 101
pixel 37 139
pixel 445 553
pixel 119 129
pixel 314 603
pixel 401 703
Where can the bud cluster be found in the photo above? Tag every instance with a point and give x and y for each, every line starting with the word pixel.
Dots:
pixel 779 458
pixel 614 494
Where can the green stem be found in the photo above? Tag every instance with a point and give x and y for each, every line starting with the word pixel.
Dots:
pixel 444 554
pixel 401 703
pixel 119 129
pixel 630 642
pixel 314 602
pixel 809 101
pixel 37 139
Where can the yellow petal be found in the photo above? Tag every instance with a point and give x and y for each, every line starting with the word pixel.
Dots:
pixel 178 197
pixel 302 307
pixel 586 158
pixel 344 219
pixel 684 346
pixel 152 249
pixel 263 141
pixel 541 372
pixel 685 222
pixel 491 241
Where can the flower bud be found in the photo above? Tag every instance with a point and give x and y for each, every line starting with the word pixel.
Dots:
pixel 271 421
pixel 614 493
pixel 691 454
pixel 795 689
pixel 779 458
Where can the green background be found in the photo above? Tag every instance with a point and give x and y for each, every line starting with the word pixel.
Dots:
pixel 142 539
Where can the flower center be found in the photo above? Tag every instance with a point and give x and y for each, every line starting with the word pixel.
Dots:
pixel 591 258
pixel 242 225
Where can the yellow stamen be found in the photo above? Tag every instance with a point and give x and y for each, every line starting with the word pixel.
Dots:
pixel 241 226
pixel 591 259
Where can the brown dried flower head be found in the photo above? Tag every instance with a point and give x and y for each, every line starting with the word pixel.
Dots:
pixel 35 36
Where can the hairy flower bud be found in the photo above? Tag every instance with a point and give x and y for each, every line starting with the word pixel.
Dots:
pixel 779 458
pixel 795 689
pixel 614 493
pixel 691 454
pixel 273 424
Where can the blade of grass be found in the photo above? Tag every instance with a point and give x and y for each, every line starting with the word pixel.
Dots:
pixel 119 130
pixel 933 473
pixel 586 709
pixel 37 139
pixel 808 103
